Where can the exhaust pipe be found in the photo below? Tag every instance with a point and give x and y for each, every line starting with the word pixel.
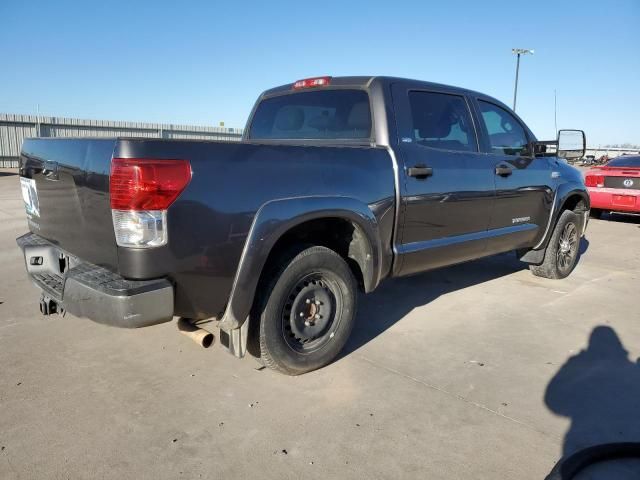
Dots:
pixel 202 337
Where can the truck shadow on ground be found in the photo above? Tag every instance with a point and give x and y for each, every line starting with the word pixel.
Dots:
pixel 395 298
pixel 598 389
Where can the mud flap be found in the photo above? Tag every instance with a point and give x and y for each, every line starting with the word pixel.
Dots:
pixel 236 339
pixel 534 257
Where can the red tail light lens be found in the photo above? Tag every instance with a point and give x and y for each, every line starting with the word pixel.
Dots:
pixel 594 181
pixel 312 82
pixel 144 184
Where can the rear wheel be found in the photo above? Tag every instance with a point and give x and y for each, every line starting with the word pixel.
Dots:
pixel 595 213
pixel 561 255
pixel 306 312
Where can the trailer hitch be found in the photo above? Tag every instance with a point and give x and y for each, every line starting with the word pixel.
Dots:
pixel 49 306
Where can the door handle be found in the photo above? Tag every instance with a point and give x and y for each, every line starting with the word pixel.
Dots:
pixel 420 171
pixel 503 170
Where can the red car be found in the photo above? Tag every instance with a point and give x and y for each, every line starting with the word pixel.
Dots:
pixel 615 186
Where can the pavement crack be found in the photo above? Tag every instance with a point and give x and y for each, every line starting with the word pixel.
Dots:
pixel 459 397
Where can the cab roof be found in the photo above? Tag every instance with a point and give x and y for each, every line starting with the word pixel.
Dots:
pixel 364 81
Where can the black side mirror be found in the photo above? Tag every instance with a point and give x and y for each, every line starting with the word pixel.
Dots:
pixel 572 144
pixel 538 148
pixel 528 151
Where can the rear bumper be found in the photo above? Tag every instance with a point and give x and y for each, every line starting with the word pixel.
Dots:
pixel 93 292
pixel 616 199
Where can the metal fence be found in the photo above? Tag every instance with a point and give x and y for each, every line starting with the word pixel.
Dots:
pixel 15 128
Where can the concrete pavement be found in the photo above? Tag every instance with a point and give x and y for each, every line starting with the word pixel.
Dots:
pixel 476 371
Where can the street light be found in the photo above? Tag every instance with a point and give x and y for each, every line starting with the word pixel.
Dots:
pixel 518 52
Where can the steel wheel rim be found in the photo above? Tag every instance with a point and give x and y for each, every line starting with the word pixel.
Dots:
pixel 567 247
pixel 309 314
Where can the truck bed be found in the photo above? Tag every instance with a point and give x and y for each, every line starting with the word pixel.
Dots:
pixel 209 223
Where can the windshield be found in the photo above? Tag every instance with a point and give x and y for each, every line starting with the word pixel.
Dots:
pixel 313 115
pixel 625 161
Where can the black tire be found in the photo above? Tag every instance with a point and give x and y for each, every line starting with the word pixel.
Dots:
pixel 595 213
pixel 306 311
pixel 562 253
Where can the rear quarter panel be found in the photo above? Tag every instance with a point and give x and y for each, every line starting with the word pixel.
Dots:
pixel 210 221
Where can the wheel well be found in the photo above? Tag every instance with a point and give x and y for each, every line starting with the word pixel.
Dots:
pixel 575 203
pixel 342 236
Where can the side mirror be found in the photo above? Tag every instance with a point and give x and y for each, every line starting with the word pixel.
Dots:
pixel 572 144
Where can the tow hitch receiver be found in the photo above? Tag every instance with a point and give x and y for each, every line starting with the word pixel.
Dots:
pixel 48 306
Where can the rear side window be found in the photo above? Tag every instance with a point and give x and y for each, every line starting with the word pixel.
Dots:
pixel 506 134
pixel 440 120
pixel 313 115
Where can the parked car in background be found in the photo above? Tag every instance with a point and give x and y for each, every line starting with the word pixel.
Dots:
pixel 615 186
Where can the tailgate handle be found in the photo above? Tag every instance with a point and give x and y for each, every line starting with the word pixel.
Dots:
pixel 50 170
pixel 420 171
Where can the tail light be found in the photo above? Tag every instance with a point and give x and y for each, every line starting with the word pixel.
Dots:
pixel 594 181
pixel 141 192
pixel 312 82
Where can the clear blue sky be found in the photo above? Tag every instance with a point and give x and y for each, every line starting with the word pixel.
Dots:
pixel 200 62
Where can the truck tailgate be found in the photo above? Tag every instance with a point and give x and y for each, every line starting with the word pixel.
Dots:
pixel 65 184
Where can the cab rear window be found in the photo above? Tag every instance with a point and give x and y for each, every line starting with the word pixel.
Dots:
pixel 625 161
pixel 313 115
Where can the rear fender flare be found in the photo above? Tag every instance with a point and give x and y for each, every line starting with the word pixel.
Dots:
pixel 277 217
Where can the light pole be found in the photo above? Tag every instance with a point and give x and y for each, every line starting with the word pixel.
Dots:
pixel 518 52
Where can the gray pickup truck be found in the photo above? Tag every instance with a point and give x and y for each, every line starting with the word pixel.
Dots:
pixel 338 184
